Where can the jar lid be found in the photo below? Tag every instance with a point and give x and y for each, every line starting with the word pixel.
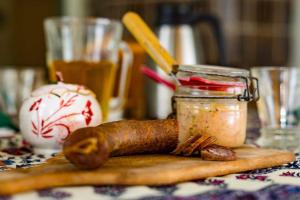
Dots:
pixel 211 77
pixel 212 69
pixel 214 81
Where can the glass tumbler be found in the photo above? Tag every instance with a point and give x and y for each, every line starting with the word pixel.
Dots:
pixel 16 84
pixel 278 107
pixel 86 51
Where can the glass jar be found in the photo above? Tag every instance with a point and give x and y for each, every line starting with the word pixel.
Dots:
pixel 212 100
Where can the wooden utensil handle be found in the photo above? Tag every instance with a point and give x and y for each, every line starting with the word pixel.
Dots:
pixel 147 39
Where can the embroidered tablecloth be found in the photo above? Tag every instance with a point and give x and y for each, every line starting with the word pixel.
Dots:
pixel 282 182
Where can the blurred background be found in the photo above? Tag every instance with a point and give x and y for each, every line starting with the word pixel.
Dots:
pixel 257 32
pixel 241 33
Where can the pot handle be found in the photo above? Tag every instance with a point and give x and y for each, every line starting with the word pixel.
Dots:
pixel 117 103
pixel 217 31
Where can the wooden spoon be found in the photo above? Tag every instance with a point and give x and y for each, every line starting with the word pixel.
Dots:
pixel 147 39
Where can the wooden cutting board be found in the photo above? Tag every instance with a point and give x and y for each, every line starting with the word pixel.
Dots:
pixel 137 170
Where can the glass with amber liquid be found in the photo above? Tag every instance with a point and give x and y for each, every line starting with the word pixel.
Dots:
pixel 85 52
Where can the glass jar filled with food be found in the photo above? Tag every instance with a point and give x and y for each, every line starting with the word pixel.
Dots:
pixel 212 101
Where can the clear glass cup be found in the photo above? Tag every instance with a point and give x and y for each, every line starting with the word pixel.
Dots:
pixel 278 106
pixel 86 51
pixel 16 83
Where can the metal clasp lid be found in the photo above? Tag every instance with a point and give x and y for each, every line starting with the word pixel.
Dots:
pixel 250 93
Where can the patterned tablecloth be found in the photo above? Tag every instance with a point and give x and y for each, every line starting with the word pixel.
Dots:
pixel 282 182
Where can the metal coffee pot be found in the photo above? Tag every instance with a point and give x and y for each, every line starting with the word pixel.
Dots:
pixel 176 31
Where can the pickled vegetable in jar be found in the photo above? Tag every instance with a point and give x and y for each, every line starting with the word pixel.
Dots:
pixel 213 101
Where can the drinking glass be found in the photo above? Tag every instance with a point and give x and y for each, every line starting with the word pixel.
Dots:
pixel 16 83
pixel 85 51
pixel 277 107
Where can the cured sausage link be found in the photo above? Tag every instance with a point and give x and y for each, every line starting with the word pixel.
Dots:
pixel 89 148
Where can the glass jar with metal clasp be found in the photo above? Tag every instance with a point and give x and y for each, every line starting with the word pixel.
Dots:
pixel 212 101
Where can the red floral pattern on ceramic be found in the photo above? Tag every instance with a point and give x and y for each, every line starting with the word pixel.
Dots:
pixel 54 111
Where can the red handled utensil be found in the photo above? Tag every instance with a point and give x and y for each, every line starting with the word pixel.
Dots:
pixel 157 78
pixel 196 82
